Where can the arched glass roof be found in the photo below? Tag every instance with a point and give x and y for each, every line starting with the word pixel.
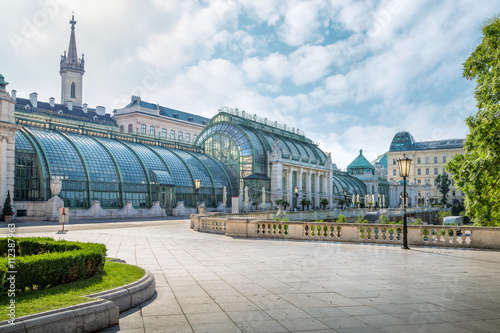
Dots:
pixel 345 182
pixel 118 170
pixel 254 140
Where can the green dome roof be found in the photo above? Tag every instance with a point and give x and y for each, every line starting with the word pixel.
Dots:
pixel 2 82
pixel 360 162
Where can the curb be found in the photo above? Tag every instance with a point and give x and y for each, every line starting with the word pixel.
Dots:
pixel 87 317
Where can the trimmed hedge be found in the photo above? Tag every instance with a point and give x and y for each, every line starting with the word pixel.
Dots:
pixel 42 262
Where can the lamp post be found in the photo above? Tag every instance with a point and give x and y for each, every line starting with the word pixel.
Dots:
pixel 345 200
pixel 404 171
pixel 197 185
pixel 296 189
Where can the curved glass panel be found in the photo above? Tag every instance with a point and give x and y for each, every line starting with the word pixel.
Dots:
pixel 130 167
pixel 150 159
pixel 22 142
pixel 218 174
pixel 63 158
pixel 180 172
pixel 198 169
pixel 100 165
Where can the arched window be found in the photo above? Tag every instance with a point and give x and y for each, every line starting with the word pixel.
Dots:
pixel 73 89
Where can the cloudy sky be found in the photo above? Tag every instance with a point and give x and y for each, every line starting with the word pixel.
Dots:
pixel 350 74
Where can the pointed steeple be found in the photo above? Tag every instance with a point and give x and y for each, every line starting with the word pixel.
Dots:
pixel 70 61
pixel 72 54
pixel 72 70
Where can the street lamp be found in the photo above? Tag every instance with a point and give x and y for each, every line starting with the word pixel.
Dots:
pixel 296 189
pixel 197 185
pixel 404 171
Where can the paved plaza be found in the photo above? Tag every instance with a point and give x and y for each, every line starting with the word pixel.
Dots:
pixel 214 283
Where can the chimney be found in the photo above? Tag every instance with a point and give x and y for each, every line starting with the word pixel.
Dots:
pixel 52 101
pixel 136 98
pixel 100 110
pixel 84 108
pixel 13 94
pixel 70 106
pixel 34 99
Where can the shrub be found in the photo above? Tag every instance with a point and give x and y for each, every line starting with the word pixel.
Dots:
pixel 383 219
pixel 42 262
pixel 360 219
pixel 341 219
pixel 418 222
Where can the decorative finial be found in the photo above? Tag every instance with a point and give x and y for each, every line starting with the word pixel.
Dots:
pixel 72 22
pixel 361 152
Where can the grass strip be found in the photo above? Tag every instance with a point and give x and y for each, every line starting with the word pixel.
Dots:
pixel 35 301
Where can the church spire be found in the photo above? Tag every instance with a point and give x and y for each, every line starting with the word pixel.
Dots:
pixel 70 61
pixel 72 54
pixel 72 70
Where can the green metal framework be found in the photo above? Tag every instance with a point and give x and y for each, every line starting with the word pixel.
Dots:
pixel 113 171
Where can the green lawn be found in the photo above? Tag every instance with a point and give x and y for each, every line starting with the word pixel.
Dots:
pixel 34 301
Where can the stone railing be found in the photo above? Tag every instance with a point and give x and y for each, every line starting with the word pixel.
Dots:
pixel 427 235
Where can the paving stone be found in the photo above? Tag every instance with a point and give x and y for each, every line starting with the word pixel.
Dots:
pixel 212 283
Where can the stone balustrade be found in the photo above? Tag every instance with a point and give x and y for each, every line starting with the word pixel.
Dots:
pixel 427 235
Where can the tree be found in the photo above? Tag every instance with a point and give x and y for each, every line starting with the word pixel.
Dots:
pixel 443 183
pixel 7 206
pixel 324 203
pixel 477 171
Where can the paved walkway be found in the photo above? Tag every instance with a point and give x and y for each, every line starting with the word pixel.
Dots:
pixel 214 283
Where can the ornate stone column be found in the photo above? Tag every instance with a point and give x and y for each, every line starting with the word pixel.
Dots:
pixel 8 130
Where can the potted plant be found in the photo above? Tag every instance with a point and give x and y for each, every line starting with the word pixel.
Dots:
pixel 324 203
pixel 7 209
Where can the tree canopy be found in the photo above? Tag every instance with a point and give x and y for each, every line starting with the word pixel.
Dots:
pixel 477 171
pixel 443 184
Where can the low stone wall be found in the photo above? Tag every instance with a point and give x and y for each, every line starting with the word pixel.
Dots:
pixel 428 235
pixel 88 317
pixel 39 211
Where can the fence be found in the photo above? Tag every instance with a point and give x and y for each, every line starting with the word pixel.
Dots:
pixel 429 235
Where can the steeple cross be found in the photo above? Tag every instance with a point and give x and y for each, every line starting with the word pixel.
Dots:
pixel 72 22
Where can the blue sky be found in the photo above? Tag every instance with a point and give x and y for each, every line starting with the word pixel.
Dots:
pixel 350 74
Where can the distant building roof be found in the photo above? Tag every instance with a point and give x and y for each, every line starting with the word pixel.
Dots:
pixel 168 112
pixel 403 141
pixel 382 160
pixel 76 114
pixel 360 162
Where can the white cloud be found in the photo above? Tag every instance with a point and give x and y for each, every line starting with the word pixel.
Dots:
pixel 303 22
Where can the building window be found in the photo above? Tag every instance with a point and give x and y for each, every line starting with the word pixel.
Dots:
pixel 73 90
pixel 435 171
pixel 180 136
pixel 194 137
pixel 122 128
pixel 164 132
pixel 418 160
pixel 419 172
pixel 427 171
pixel 188 137
pixel 172 134
pixel 143 128
pixel 130 128
pixel 435 160
pixel 444 159
pixel 453 193
pixel 152 130
pixel 419 181
pixel 394 172
pixel 393 161
pixel 427 160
